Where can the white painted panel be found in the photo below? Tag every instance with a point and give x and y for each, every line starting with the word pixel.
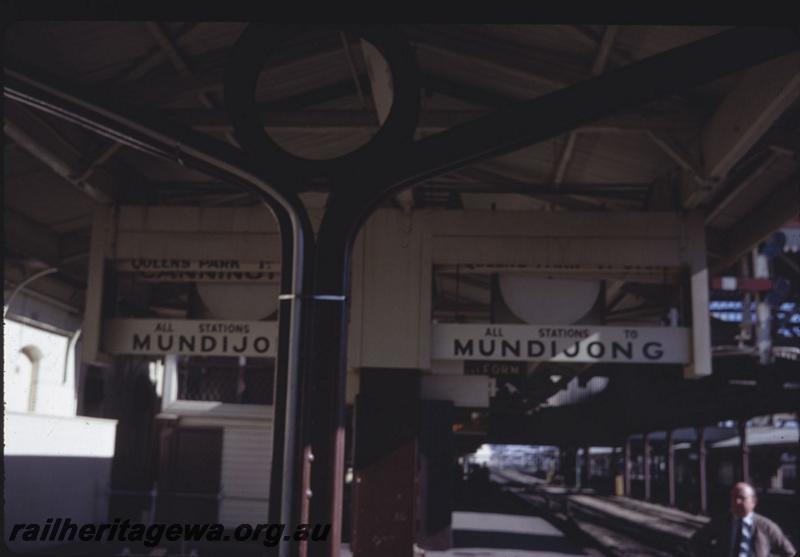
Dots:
pixel 556 253
pixel 38 435
pixel 131 218
pixel 54 391
pixel 392 290
pixel 246 464
pixel 172 219
pixel 56 467
pixel 425 296
pixel 701 324
pixel 253 219
pixel 196 219
pixel 199 245
pixel 570 224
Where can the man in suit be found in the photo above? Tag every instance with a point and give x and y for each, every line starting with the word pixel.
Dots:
pixel 742 533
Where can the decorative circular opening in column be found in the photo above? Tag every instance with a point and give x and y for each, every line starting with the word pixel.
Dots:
pixel 248 84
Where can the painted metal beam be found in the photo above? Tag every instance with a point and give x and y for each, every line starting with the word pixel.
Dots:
pixel 209 70
pixel 548 69
pixel 30 238
pixel 276 117
pixel 380 78
pixel 37 139
pixel 782 205
pixel 598 67
pixel 764 93
pixel 533 121
pixel 759 99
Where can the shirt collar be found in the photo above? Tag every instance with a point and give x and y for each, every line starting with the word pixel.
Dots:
pixel 748 520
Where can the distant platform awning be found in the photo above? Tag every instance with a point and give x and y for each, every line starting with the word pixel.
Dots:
pixel 764 436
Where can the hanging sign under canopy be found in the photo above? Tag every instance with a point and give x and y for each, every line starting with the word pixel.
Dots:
pixel 561 343
pixel 191 337
pixel 172 269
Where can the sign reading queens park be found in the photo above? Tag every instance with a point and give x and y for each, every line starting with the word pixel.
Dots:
pixel 561 343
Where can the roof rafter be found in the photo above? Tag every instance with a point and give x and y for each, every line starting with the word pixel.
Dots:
pixel 549 70
pixel 35 137
pixel 746 114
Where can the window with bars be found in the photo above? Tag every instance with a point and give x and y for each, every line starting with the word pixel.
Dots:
pixel 225 379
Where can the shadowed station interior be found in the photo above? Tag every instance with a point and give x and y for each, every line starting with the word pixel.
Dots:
pixel 431 289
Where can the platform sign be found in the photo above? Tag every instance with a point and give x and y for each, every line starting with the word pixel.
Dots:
pixel 495 368
pixel 174 269
pixel 561 343
pixel 191 337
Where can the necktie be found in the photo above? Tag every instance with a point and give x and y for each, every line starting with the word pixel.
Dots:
pixel 744 546
pixel 737 540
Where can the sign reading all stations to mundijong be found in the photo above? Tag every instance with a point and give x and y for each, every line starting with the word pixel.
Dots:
pixel 561 343
pixel 191 337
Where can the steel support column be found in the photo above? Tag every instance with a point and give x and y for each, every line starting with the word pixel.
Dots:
pixel 646 461
pixel 797 466
pixel 325 425
pixel 587 468
pixel 701 464
pixel 670 468
pixel 744 452
pixel 626 469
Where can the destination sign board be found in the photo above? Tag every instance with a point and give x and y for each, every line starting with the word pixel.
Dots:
pixel 171 269
pixel 191 337
pixel 561 343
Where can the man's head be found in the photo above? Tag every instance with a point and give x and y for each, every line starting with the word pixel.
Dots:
pixel 743 500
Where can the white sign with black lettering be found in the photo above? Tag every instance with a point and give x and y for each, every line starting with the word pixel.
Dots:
pixel 191 337
pixel 175 269
pixel 561 343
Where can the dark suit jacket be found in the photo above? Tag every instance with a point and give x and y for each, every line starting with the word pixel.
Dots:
pixel 714 539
